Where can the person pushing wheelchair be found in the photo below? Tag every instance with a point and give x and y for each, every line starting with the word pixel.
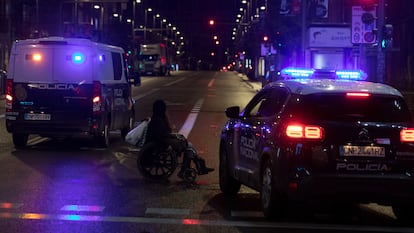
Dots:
pixel 159 131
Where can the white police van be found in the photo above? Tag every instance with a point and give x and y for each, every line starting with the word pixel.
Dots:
pixel 66 87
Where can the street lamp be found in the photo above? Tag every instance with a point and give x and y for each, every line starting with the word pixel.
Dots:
pixel 164 21
pixel 134 16
pixel 157 31
pixel 154 18
pixel 145 23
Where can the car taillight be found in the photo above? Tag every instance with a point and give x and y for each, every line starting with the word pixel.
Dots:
pixel 304 131
pixel 358 94
pixel 407 135
pixel 97 97
pixel 9 94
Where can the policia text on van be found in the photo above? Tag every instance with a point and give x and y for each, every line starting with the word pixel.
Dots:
pixel 66 86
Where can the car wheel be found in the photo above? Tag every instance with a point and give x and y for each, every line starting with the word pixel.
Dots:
pixel 228 185
pixel 403 212
pixel 103 138
pixel 271 199
pixel 20 140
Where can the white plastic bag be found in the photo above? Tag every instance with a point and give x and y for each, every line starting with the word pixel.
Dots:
pixel 137 135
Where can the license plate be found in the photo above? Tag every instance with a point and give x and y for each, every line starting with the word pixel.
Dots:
pixel 368 151
pixel 37 117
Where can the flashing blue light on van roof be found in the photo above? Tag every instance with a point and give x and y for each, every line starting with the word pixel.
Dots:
pixel 298 72
pixel 102 57
pixel 78 58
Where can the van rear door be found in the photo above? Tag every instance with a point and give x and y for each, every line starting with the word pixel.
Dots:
pixel 53 84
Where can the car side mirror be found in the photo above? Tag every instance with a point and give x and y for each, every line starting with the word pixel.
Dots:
pixel 233 112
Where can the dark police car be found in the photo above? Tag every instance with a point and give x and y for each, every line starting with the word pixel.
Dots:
pixel 321 135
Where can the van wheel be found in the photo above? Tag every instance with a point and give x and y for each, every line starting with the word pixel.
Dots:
pixel 125 130
pixel 20 140
pixel 103 138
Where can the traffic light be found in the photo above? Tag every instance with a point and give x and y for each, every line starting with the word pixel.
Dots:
pixel 211 22
pixel 265 38
pixel 386 42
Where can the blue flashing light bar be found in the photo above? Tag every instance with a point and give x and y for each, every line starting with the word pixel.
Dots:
pixel 351 74
pixel 312 73
pixel 297 72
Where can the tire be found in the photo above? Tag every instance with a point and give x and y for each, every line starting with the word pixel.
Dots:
pixel 273 201
pixel 403 212
pixel 103 138
pixel 156 164
pixel 20 140
pixel 228 185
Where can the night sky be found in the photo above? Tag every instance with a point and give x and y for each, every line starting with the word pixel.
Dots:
pixel 191 17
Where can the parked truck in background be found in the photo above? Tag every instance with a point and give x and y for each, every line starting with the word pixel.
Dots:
pixel 153 59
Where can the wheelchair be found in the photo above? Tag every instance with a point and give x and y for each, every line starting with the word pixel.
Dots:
pixel 157 164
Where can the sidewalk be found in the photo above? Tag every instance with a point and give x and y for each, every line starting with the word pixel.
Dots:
pixel 255 85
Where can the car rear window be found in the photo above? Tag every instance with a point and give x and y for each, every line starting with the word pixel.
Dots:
pixel 339 107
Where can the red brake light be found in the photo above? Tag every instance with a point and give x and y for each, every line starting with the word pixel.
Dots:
pixel 294 131
pixel 37 57
pixel 9 94
pixel 407 135
pixel 313 132
pixel 96 98
pixel 304 131
pixel 357 94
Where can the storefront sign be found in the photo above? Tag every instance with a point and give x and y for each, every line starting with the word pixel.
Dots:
pixel 330 37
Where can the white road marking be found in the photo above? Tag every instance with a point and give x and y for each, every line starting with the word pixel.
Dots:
pixel 36 140
pixel 146 94
pixel 174 82
pixel 200 222
pixel 191 118
pixel 210 84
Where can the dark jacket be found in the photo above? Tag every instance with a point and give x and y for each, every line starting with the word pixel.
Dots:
pixel 158 130
pixel 159 127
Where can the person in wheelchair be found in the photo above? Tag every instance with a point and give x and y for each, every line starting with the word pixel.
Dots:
pixel 160 132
